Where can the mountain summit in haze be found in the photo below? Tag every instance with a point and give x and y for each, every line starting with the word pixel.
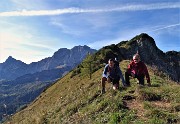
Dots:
pixel 12 68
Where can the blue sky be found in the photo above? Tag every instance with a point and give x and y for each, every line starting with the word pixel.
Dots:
pixel 31 30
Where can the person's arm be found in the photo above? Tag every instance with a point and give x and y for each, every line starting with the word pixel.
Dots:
pixel 121 76
pixel 105 71
pixel 147 74
pixel 130 70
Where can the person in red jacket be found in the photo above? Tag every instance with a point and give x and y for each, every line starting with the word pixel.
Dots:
pixel 137 69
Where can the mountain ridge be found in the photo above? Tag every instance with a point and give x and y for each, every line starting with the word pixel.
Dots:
pixel 9 73
pixel 76 99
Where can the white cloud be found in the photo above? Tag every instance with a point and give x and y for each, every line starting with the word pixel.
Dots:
pixel 164 27
pixel 123 35
pixel 65 28
pixel 21 42
pixel 99 44
pixel 138 7
pixel 21 48
pixel 28 44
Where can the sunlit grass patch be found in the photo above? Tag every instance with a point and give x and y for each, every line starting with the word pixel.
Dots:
pixel 162 116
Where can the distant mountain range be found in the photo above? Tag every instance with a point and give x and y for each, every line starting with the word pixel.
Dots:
pixel 21 83
pixel 63 58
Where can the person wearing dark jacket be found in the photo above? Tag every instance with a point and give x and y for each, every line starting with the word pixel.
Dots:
pixel 111 73
pixel 137 69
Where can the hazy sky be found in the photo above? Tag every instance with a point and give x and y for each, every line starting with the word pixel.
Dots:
pixel 31 30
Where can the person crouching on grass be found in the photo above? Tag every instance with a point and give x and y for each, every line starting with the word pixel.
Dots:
pixel 137 69
pixel 111 73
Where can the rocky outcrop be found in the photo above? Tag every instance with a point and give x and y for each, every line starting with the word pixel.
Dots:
pixel 166 63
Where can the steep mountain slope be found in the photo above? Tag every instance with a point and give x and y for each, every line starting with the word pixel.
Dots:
pixel 20 83
pixel 26 88
pixel 76 99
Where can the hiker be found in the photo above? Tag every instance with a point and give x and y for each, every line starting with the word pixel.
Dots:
pixel 111 73
pixel 137 69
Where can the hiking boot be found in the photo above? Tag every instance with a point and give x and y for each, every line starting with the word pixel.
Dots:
pixel 149 84
pixel 141 85
pixel 127 85
pixel 103 91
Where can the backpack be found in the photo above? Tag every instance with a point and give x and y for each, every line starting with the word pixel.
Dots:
pixel 116 63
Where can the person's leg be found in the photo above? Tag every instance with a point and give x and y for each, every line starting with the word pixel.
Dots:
pixel 116 84
pixel 141 79
pixel 127 78
pixel 103 81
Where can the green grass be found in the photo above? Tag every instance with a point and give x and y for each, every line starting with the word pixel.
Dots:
pixel 162 116
pixel 77 99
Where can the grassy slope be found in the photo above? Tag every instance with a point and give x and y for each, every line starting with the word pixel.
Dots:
pixel 78 100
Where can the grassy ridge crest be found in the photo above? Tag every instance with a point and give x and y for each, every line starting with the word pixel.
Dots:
pixel 77 99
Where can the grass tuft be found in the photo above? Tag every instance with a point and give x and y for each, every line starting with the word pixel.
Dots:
pixel 148 95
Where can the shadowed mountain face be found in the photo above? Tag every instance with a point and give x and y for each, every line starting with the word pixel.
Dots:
pixel 11 68
pixel 166 62
pixel 21 83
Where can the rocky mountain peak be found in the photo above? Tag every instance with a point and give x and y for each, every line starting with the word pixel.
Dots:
pixel 10 59
pixel 61 52
pixel 81 47
pixel 145 46
pixel 142 40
